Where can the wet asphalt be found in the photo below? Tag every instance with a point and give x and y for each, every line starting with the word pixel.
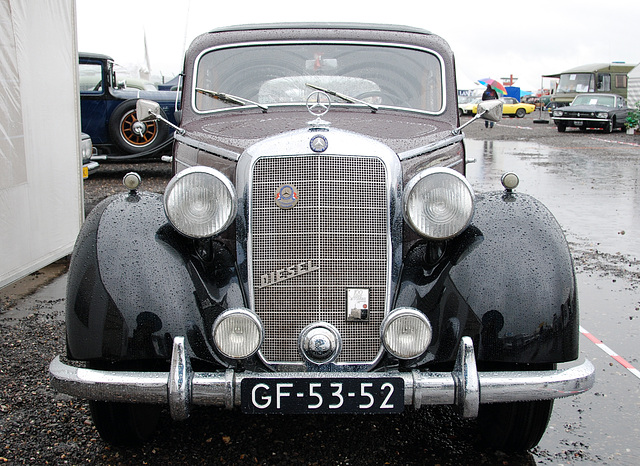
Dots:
pixel 590 183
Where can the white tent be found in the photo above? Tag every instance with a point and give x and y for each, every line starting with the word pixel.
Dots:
pixel 40 178
pixel 633 89
pixel 467 88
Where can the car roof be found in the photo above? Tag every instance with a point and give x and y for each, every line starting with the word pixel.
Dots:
pixel 98 56
pixel 596 94
pixel 324 25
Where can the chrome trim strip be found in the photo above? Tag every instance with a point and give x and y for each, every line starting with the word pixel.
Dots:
pixel 463 387
pixel 569 118
pixel 418 151
pixel 196 63
pixel 457 162
pixel 224 153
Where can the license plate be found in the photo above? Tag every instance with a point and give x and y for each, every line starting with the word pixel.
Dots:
pixel 316 395
pixel 578 123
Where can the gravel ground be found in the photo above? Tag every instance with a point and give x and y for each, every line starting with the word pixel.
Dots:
pixel 40 426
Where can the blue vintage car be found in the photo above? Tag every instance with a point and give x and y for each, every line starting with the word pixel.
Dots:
pixel 108 111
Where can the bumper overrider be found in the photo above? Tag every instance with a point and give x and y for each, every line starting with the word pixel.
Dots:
pixel 181 387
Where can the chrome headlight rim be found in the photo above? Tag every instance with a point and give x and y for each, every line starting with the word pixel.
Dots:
pixel 237 312
pixel 436 171
pixel 391 318
pixel 183 227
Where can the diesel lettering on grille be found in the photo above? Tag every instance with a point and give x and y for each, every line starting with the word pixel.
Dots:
pixel 281 275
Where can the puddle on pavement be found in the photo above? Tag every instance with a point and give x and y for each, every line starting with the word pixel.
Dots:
pixel 595 197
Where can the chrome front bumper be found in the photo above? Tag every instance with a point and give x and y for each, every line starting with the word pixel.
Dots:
pixel 181 387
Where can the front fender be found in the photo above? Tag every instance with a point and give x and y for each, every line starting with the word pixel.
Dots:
pixel 520 283
pixel 134 283
pixel 507 282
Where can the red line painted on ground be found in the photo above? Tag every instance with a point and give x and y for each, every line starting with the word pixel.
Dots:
pixel 610 352
pixel 616 142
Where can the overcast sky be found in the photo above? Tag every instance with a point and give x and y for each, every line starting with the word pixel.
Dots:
pixel 494 39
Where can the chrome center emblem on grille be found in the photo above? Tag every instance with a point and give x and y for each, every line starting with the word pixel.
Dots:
pixel 286 196
pixel 318 103
pixel 320 343
pixel 318 143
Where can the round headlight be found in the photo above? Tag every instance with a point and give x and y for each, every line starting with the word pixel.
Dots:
pixel 406 333
pixel 238 333
pixel 557 113
pixel 200 202
pixel 438 203
pixel 602 115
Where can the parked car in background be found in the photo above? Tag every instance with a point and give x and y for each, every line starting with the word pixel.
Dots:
pixel 87 152
pixel 107 111
pixel 511 107
pixel 319 250
pixel 467 108
pixel 551 106
pixel 605 111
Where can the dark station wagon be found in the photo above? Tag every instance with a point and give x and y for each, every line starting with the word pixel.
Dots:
pixel 319 250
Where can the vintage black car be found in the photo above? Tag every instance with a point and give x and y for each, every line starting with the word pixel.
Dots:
pixel 108 111
pixel 319 250
pixel 605 111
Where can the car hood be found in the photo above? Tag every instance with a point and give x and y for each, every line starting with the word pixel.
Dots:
pixel 236 131
pixel 586 108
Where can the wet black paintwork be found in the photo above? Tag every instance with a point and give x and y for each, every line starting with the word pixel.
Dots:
pixel 507 282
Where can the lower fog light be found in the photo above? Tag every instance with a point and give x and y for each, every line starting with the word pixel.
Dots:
pixel 238 333
pixel 406 333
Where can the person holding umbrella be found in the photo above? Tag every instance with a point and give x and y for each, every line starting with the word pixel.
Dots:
pixel 489 94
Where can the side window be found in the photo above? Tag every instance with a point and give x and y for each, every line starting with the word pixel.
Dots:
pixel 621 81
pixel 90 78
pixel 604 82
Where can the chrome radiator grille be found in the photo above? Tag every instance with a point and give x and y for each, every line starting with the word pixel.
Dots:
pixel 305 258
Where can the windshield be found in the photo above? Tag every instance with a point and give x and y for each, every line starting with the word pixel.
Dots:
pixel 604 100
pixel 277 74
pixel 576 82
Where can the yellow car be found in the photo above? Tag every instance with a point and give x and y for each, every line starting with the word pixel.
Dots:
pixel 511 107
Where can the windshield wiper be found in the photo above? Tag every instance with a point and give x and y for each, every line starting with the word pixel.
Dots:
pixel 346 98
pixel 231 99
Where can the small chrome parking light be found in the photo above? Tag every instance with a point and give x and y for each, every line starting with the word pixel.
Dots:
pixel 238 333
pixel 406 333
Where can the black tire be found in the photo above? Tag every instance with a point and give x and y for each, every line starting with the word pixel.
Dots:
pixel 124 423
pixel 120 423
pixel 122 125
pixel 521 112
pixel 516 426
pixel 608 128
pixel 562 127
